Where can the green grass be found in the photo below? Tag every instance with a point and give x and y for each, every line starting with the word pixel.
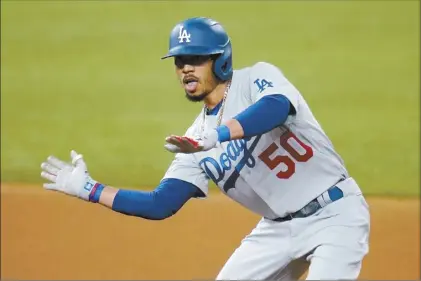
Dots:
pixel 88 76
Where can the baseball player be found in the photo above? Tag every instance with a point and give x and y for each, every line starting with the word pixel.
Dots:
pixel 257 139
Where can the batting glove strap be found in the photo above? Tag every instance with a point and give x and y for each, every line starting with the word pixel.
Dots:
pixel 96 192
pixel 88 189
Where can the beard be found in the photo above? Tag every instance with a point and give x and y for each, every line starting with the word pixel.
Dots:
pixel 198 98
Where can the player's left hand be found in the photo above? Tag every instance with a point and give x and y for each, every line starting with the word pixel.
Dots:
pixel 183 144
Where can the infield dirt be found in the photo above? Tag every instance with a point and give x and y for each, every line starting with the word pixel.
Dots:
pixel 47 235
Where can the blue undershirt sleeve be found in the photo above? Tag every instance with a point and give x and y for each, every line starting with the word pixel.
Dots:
pixel 267 113
pixel 161 203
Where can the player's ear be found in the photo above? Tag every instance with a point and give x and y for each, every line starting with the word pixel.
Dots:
pixel 213 59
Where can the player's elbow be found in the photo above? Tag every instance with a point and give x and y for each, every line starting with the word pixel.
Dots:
pixel 162 215
pixel 148 205
pixel 162 211
pixel 162 203
pixel 163 207
pixel 157 212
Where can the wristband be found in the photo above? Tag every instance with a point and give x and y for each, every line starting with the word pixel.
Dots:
pixel 96 193
pixel 224 133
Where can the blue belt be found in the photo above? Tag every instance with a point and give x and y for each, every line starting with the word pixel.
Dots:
pixel 335 193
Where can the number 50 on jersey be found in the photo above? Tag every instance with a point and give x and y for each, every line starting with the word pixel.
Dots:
pixel 273 160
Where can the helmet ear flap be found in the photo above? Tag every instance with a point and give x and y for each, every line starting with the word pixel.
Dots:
pixel 223 64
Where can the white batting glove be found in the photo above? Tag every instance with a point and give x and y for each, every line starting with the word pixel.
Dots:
pixel 177 144
pixel 70 178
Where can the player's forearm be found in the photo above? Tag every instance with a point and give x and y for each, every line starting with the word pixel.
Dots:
pixel 103 195
pixel 107 196
pixel 231 130
pixel 158 204
pixel 261 117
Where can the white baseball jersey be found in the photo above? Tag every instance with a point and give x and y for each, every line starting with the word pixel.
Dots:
pixel 272 174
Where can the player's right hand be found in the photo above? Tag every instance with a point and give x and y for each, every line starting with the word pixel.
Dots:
pixel 70 178
pixel 183 144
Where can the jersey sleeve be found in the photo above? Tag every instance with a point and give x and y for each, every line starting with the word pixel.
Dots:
pixel 184 167
pixel 267 79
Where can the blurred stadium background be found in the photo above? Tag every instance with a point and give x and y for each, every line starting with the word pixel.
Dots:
pixel 87 75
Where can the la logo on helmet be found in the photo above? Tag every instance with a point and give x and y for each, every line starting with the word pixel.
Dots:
pixel 183 35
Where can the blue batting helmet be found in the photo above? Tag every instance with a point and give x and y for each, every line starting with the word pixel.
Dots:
pixel 203 36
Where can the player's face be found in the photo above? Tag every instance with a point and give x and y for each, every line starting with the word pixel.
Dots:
pixel 196 76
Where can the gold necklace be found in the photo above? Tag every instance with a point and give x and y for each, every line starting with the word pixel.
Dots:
pixel 221 111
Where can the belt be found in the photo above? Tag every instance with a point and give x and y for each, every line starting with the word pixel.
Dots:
pixel 331 195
